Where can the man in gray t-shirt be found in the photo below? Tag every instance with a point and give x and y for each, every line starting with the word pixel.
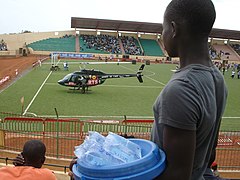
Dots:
pixel 193 100
pixel 188 111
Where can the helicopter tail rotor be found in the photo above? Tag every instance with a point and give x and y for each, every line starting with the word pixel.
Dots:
pixel 139 76
pixel 139 73
pixel 141 67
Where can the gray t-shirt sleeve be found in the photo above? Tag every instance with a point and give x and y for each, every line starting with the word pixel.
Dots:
pixel 180 106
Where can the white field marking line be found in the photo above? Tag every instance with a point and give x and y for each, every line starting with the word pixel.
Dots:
pixel 155 80
pixel 153 73
pixel 34 97
pixel 122 86
pixel 31 114
pixel 129 117
pixel 72 62
pixel 16 79
pixel 157 87
pixel 121 117
pixel 134 117
pixel 231 117
pixel 146 76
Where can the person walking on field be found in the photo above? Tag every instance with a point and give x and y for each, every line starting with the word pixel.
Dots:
pixel 233 74
pixel 188 111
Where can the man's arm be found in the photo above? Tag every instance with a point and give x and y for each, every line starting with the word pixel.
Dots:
pixel 70 173
pixel 179 146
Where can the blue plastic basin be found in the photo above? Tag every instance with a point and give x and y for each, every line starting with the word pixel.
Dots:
pixel 149 166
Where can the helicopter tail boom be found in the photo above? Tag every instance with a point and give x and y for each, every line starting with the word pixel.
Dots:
pixel 138 75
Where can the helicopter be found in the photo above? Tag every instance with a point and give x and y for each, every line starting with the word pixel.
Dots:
pixel 85 78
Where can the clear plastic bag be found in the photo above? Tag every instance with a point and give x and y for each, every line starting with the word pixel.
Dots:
pixel 98 150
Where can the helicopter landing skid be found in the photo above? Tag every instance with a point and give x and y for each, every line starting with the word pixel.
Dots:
pixel 83 90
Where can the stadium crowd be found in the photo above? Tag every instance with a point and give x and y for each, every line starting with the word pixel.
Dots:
pixel 212 52
pixel 130 46
pixel 67 36
pixel 236 47
pixel 217 55
pixel 101 42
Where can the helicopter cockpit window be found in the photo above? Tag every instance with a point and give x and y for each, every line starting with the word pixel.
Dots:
pixel 67 77
pixel 74 78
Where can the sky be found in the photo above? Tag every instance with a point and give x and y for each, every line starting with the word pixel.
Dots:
pixel 55 15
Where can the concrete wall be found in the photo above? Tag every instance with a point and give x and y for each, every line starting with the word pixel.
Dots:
pixel 217 41
pixel 148 36
pixel 9 53
pixel 16 41
pixel 129 34
pixel 95 33
pixel 87 32
pixel 109 33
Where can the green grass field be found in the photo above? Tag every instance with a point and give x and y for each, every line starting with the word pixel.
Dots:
pixel 116 97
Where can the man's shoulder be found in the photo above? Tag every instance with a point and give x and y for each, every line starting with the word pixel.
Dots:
pixel 11 168
pixel 44 171
pixel 26 172
pixel 2 169
pixel 199 74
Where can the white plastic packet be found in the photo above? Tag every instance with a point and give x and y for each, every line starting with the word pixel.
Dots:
pixel 98 150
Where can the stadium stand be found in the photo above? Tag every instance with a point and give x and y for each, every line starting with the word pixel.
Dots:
pixel 99 44
pixel 63 44
pixel 151 47
pixel 225 52
pixel 236 47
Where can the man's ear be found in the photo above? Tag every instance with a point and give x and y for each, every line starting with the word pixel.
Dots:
pixel 174 29
pixel 43 160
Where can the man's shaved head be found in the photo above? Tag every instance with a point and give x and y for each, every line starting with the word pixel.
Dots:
pixel 197 15
pixel 34 152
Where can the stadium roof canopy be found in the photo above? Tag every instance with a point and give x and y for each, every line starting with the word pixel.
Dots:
pixel 133 26
pixel 116 25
